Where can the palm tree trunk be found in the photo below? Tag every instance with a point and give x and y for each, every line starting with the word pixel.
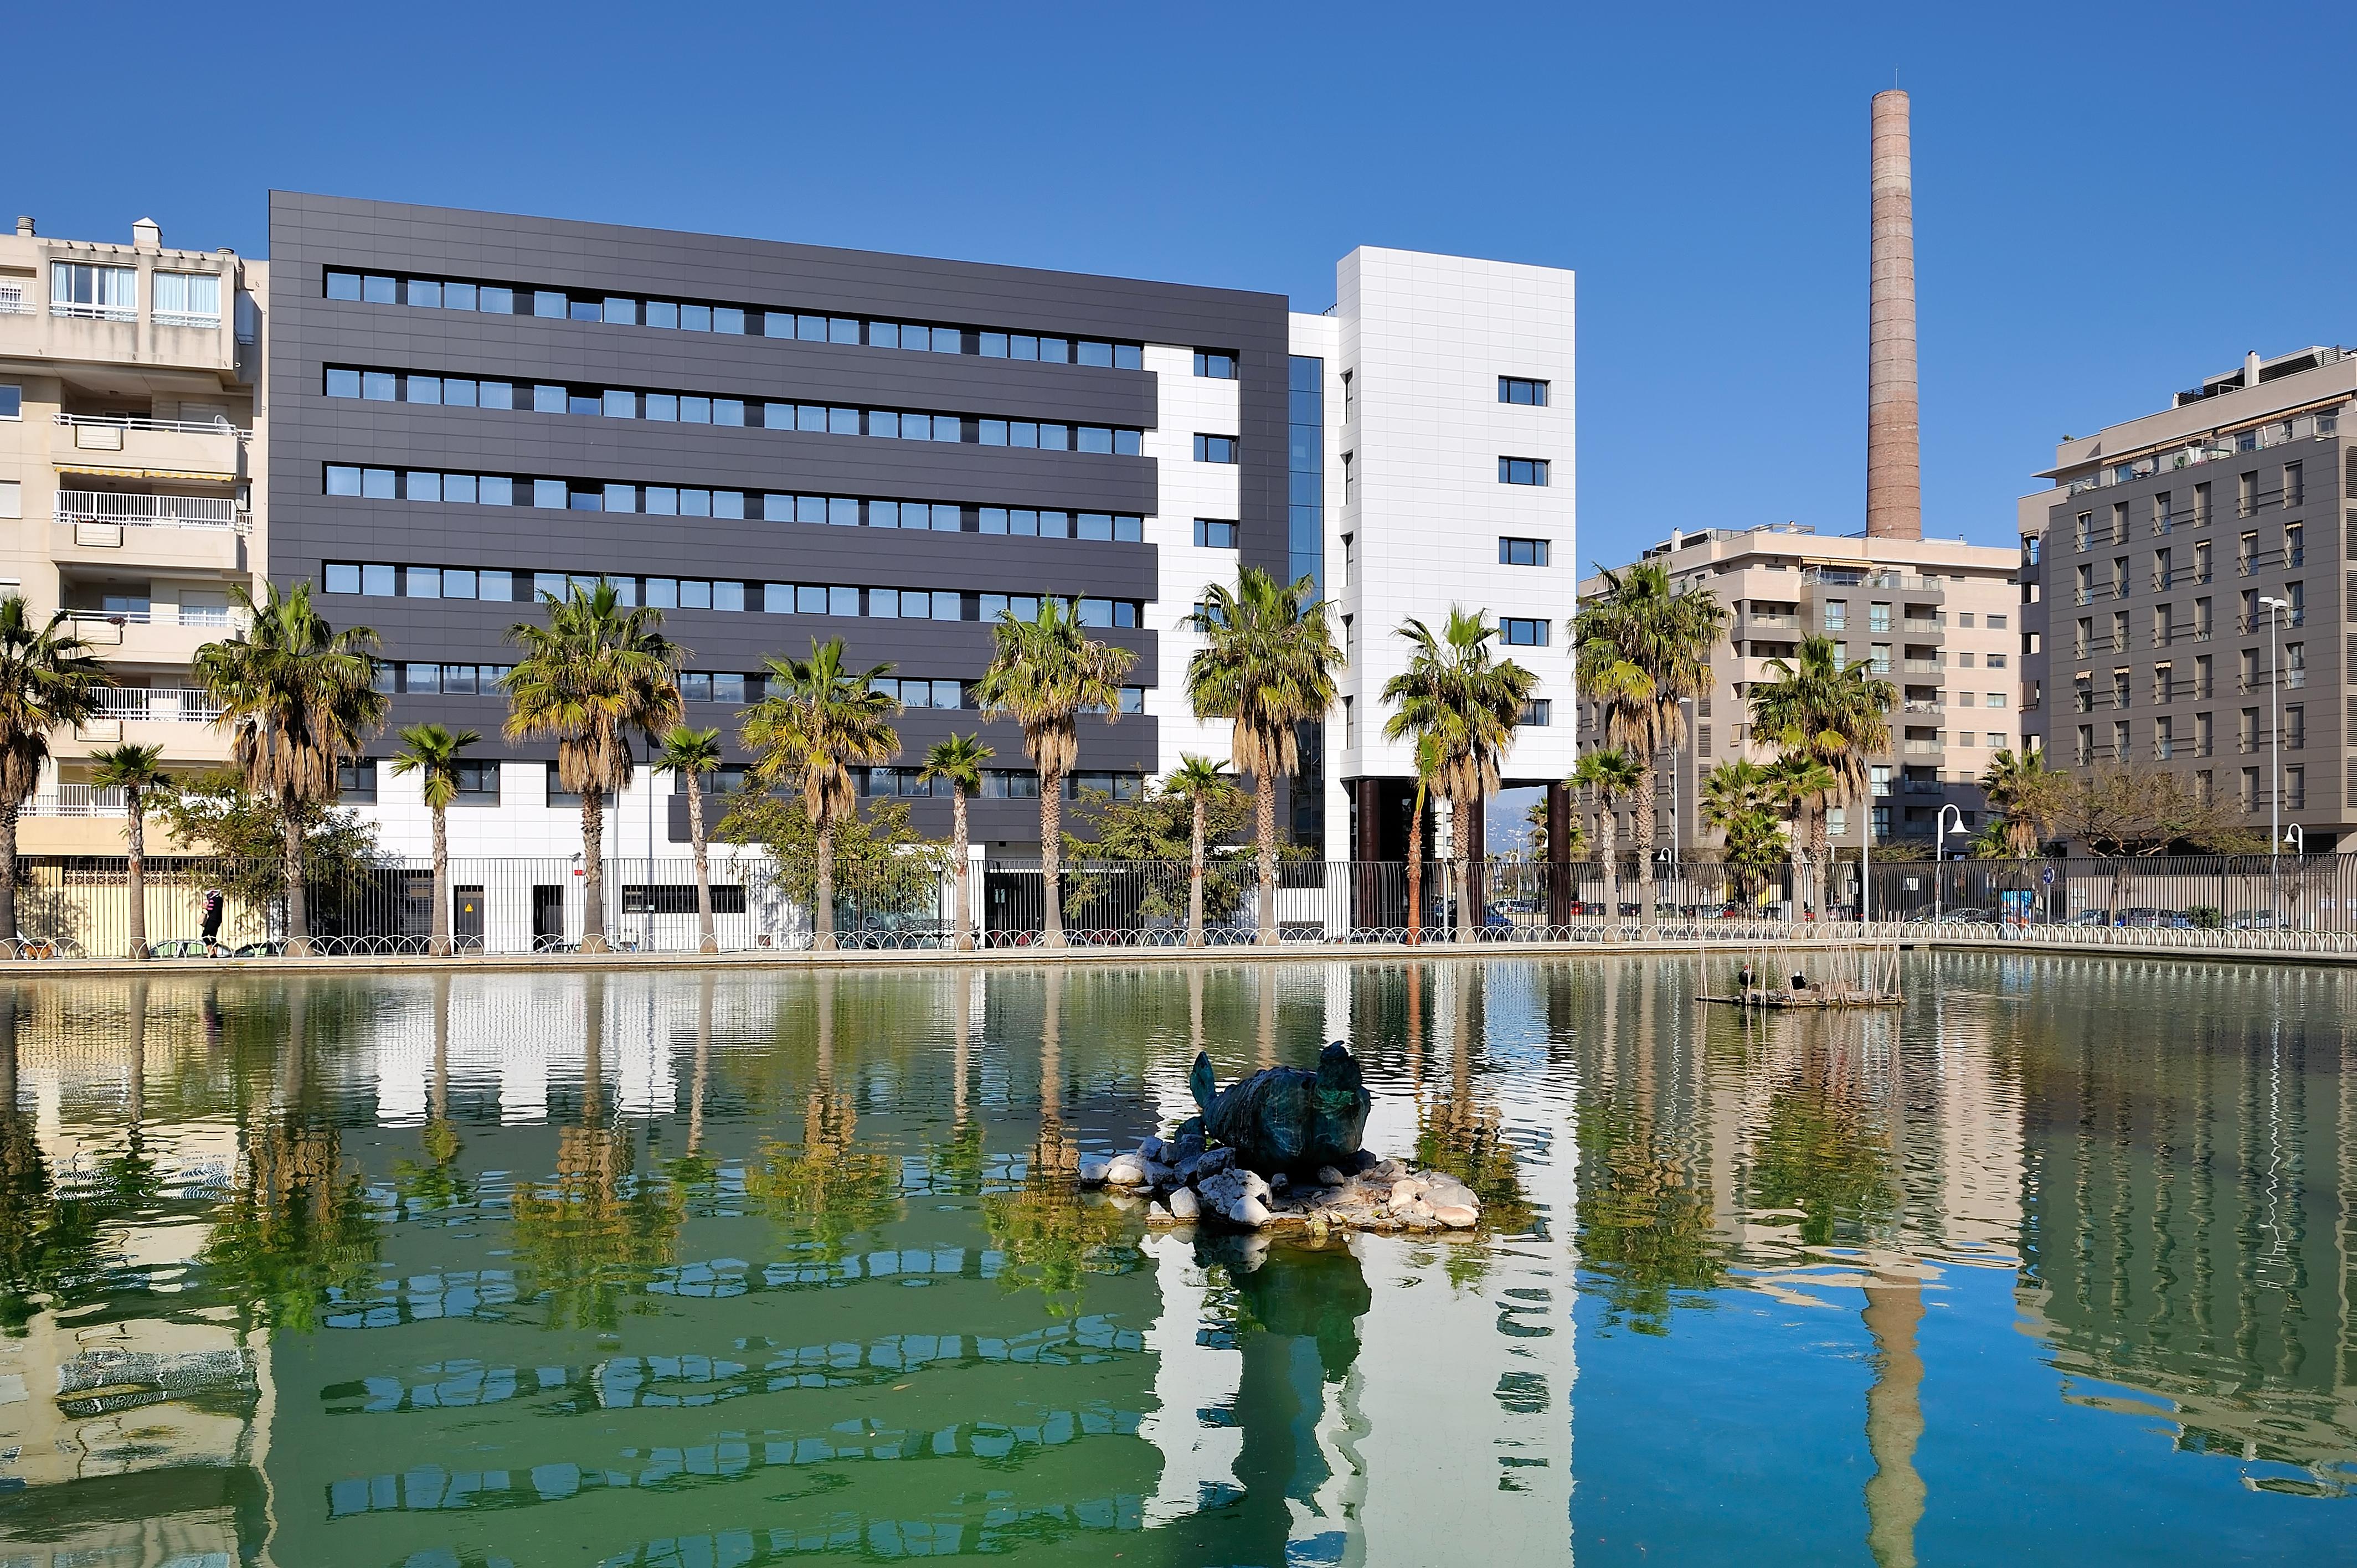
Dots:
pixel 822 896
pixel 1264 790
pixel 593 871
pixel 1415 879
pixel 1459 822
pixel 1608 838
pixel 8 931
pixel 965 869
pixel 441 928
pixel 1051 858
pixel 134 834
pixel 298 913
pixel 1643 817
pixel 1195 878
pixel 705 940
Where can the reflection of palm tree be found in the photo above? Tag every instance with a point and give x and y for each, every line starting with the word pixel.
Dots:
pixel 297 1232
pixel 825 1190
pixel 1054 1151
pixel 1051 1237
pixel 1456 1132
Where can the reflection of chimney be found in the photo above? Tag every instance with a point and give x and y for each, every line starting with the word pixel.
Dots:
pixel 1894 468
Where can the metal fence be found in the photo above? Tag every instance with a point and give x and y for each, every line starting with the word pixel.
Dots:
pixel 78 905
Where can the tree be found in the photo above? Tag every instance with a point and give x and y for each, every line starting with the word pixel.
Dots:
pixel 1735 798
pixel 1641 647
pixel 896 868
pixel 594 671
pixel 1202 783
pixel 433 753
pixel 1607 777
pixel 1818 706
pixel 1456 690
pixel 131 767
pixel 1575 845
pixel 48 680
pixel 957 762
pixel 2029 796
pixel 1794 783
pixel 1428 764
pixel 1043 673
pixel 298 697
pixel 1267 663
pixel 692 755
pixel 819 722
pixel 215 812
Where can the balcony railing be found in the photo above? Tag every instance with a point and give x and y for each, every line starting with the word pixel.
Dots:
pixel 1771 622
pixel 77 801
pixel 2210 450
pixel 93 312
pixel 1837 577
pixel 174 426
pixel 209 320
pixel 12 301
pixel 105 627
pixel 1923 747
pixel 1923 627
pixel 135 511
pixel 1916 705
pixel 158 705
pixel 1924 666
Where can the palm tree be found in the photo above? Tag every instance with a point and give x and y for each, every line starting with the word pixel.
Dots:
pixel 1606 777
pixel 433 753
pixel 46 680
pixel 957 761
pixel 1641 647
pixel 1832 712
pixel 819 722
pixel 1428 764
pixel 1267 663
pixel 594 671
pixel 1200 781
pixel 1795 784
pixel 1043 673
pixel 1738 797
pixel 300 697
pixel 1456 690
pixel 691 754
pixel 131 767
pixel 2028 793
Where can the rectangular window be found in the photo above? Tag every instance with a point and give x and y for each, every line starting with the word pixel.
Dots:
pixel 1521 552
pixel 188 299
pixel 1216 449
pixel 479 784
pixel 1539 712
pixel 1218 364
pixel 12 497
pixel 95 293
pixel 1212 533
pixel 1836 615
pixel 1523 633
pixel 1522 470
pixel 2295 787
pixel 2295 484
pixel 356 779
pixel 12 402
pixel 1521 390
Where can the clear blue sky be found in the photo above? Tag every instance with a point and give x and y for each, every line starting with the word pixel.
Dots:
pixel 2111 203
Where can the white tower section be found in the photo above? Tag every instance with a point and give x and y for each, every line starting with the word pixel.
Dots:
pixel 1420 501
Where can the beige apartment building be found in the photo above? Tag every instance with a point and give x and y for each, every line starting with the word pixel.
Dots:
pixel 2186 569
pixel 130 437
pixel 1938 618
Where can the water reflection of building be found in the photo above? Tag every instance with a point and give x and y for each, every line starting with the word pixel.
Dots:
pixel 2192 1251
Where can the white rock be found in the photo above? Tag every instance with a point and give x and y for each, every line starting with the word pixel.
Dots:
pixel 1255 1183
pixel 1249 1210
pixel 1455 1215
pixel 1124 1170
pixel 1407 1186
pixel 1184 1205
pixel 1093 1170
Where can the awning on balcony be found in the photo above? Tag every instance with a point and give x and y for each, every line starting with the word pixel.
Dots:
pixel 190 476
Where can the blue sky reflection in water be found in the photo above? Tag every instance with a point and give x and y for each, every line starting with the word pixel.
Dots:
pixel 2054 1266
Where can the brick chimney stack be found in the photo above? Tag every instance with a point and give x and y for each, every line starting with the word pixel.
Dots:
pixel 1894 464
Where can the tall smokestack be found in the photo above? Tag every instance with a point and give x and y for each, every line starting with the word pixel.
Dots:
pixel 1894 462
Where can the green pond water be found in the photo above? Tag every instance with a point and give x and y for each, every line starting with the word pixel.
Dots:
pixel 2057 1263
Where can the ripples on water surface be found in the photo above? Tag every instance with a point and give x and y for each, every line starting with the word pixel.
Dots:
pixel 2056 1265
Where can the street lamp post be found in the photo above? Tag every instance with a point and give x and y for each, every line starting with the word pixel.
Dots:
pixel 2275 608
pixel 1940 849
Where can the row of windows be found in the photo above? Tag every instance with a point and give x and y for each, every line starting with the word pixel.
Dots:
pixel 1521 390
pixel 1522 470
pixel 685 408
pixel 97 292
pixel 503 585
pixel 459 680
pixel 668 500
pixel 1521 552
pixel 997 783
pixel 752 321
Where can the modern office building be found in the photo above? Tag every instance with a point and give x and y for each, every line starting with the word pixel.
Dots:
pixel 130 435
pixel 776 442
pixel 2184 574
pixel 1936 617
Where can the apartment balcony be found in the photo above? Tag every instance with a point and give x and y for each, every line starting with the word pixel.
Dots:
pixel 152 448
pixel 164 635
pixel 1924 666
pixel 113 529
pixel 1751 623
pixel 1919 627
pixel 1840 577
pixel 1917 705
